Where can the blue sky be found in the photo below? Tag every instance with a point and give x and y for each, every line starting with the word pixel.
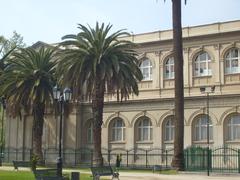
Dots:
pixel 49 20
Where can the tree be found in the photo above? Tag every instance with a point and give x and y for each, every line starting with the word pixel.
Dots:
pixel 95 63
pixel 178 159
pixel 7 45
pixel 27 84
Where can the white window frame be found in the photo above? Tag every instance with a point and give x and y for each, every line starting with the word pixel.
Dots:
pixel 198 71
pixel 90 132
pixel 169 65
pixel 200 129
pixel 233 67
pixel 146 68
pixel 169 129
pixel 142 128
pixel 233 128
pixel 118 127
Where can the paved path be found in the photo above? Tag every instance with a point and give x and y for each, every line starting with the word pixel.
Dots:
pixel 149 176
pixel 152 176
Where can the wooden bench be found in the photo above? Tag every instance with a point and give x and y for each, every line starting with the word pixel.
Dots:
pixel 97 172
pixel 47 174
pixel 160 168
pixel 18 164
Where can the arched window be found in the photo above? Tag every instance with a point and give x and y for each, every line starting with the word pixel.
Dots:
pixel 169 129
pixel 202 65
pixel 232 61
pixel 200 129
pixel 144 129
pixel 146 68
pixel 169 68
pixel 233 128
pixel 118 130
pixel 90 132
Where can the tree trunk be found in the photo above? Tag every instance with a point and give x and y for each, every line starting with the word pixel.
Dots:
pixel 178 159
pixel 97 110
pixel 38 131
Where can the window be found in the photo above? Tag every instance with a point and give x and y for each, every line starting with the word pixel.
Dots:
pixel 202 65
pixel 146 68
pixel 232 59
pixel 118 130
pixel 169 129
pixel 233 128
pixel 144 130
pixel 90 132
pixel 200 129
pixel 169 68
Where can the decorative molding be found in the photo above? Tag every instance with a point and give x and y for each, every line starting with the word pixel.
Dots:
pixel 186 49
pixel 157 53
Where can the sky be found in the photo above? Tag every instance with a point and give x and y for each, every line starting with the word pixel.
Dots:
pixel 49 20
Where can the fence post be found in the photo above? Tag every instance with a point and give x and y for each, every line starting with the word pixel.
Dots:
pixel 75 154
pixel 146 157
pixel 127 158
pixel 109 156
pixel 210 160
pixel 166 159
pixel 16 154
pixel 91 157
pixel 238 160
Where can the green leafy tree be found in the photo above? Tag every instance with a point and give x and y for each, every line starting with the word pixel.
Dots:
pixel 96 63
pixel 27 85
pixel 7 45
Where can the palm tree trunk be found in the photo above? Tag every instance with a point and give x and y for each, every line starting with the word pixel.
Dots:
pixel 97 109
pixel 178 160
pixel 38 131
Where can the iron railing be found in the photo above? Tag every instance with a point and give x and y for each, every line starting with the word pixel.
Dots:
pixel 222 159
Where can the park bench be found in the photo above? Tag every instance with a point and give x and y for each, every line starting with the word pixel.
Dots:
pixel 18 164
pixel 47 174
pixel 97 172
pixel 160 168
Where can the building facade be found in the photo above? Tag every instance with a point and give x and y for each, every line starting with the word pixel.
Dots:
pixel 211 58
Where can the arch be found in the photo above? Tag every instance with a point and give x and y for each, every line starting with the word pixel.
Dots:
pixel 199 112
pixel 226 49
pixel 164 116
pixel 145 56
pixel 200 127
pixel 116 115
pixel 225 114
pixel 168 130
pixel 87 122
pixel 195 53
pixel 229 126
pixel 164 57
pixel 143 114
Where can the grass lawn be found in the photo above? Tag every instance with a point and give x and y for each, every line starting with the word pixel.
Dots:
pixel 26 175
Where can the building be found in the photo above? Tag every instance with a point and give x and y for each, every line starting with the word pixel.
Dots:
pixel 211 58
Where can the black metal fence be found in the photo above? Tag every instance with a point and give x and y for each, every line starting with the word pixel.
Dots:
pixel 139 158
pixel 222 159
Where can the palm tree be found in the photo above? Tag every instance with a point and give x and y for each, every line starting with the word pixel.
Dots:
pixel 27 83
pixel 95 63
pixel 178 159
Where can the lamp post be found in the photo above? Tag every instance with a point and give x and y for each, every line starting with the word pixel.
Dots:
pixel 208 90
pixel 61 97
pixel 3 102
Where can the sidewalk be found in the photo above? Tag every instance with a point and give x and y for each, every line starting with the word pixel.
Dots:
pixel 154 176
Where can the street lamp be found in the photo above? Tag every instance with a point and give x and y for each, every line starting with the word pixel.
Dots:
pixel 3 102
pixel 208 90
pixel 61 97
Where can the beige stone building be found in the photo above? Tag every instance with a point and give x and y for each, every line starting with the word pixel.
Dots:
pixel 211 58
